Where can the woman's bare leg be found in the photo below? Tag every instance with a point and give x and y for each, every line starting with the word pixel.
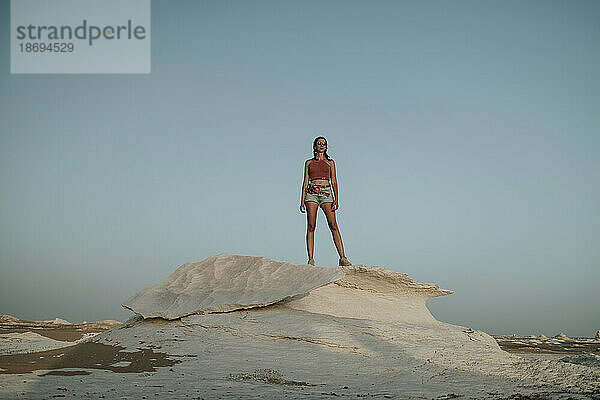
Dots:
pixel 335 232
pixel 311 223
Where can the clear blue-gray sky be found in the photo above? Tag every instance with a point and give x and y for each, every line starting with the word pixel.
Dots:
pixel 466 136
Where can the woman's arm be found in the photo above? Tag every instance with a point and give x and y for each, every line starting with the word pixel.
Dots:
pixel 304 185
pixel 333 177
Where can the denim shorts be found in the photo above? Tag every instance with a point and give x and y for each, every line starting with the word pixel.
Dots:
pixel 318 194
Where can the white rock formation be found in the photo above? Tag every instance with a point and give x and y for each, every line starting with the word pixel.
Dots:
pixel 58 321
pixel 227 282
pixel 373 293
pixel 562 336
pixel 366 334
pixel 27 342
pixel 4 318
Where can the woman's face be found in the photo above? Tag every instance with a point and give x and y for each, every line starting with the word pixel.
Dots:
pixel 321 145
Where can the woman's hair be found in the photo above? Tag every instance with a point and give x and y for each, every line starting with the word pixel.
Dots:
pixel 315 147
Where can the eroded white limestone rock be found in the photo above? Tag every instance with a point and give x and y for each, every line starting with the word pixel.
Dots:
pixel 27 342
pixel 368 334
pixel 225 283
pixel 395 359
pixel 374 293
pixel 57 321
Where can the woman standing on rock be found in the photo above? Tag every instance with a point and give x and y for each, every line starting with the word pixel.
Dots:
pixel 319 177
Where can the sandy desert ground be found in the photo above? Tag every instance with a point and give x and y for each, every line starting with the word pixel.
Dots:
pixel 225 332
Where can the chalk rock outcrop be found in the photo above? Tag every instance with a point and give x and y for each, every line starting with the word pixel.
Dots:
pixel 227 282
pixel 374 293
pixel 562 336
pixel 58 321
pixel 353 332
pixel 27 342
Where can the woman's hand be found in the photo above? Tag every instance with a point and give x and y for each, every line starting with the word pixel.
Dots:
pixel 302 209
pixel 335 205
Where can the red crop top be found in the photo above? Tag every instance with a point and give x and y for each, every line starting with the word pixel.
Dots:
pixel 318 169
